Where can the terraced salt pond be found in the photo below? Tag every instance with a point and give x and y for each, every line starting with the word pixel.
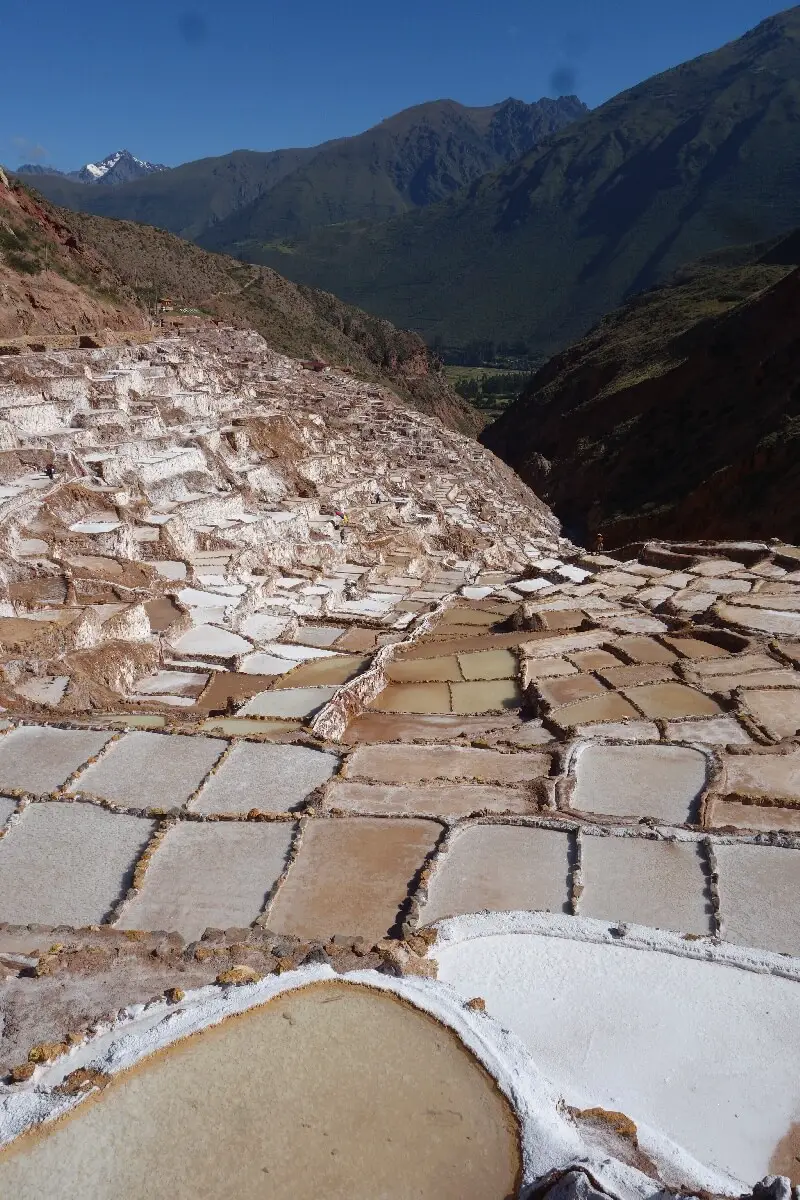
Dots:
pixel 244 1109
pixel 360 732
pixel 317 898
pixel 267 778
pixel 68 863
pixel 649 781
pixel 209 875
pixel 173 767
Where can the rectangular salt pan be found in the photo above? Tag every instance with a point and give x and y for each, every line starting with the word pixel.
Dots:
pixel 292 702
pixel 40 759
pixel 657 883
pixel 266 664
pixel 445 800
pixel 207 875
pixel 500 868
pixel 68 864
pixel 193 597
pixel 758 888
pixel 663 782
pixel 412 764
pixel 268 778
pixel 151 770
pixel 297 653
pixel 264 626
pixel 209 639
pixel 351 876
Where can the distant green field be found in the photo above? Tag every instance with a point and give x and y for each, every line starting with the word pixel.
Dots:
pixel 476 372
pixel 489 389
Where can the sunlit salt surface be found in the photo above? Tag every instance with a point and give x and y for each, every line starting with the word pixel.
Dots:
pixel 705 1053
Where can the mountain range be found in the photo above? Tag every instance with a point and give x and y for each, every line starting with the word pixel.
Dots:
pixel 413 159
pixel 699 157
pixel 517 223
pixel 112 171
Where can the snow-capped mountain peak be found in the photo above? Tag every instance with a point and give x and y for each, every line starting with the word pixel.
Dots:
pixel 118 167
pixel 98 170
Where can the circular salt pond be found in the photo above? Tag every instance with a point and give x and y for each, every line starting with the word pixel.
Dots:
pixel 332 1090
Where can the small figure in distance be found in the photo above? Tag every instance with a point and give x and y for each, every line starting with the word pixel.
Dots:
pixel 599 544
pixel 50 471
pixel 349 589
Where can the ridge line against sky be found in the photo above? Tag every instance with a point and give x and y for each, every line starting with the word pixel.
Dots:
pixel 174 82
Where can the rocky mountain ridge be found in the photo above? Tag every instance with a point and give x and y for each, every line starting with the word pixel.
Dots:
pixel 115 169
pixel 694 159
pixel 411 159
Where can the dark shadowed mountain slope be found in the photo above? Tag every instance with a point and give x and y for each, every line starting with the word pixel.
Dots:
pixel 699 157
pixel 185 199
pixel 678 415
pixel 414 158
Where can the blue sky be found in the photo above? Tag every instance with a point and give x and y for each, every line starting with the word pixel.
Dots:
pixel 174 80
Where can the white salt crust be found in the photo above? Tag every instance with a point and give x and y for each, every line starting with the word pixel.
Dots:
pixel 705 1056
pixel 549 1141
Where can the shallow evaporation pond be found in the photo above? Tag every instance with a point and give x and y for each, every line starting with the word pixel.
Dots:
pixel 162 612
pixel 326 671
pixel 704 1053
pixel 662 782
pixel 209 639
pixel 332 1090
pixel 245 726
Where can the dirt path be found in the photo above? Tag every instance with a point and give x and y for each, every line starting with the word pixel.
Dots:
pixel 232 292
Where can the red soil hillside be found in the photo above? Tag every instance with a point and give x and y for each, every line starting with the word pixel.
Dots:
pixel 51 281
pixel 69 273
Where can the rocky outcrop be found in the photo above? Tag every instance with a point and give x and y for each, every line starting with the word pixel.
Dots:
pixel 578 1185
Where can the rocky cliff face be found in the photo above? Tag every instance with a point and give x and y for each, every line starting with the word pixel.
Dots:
pixel 516 127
